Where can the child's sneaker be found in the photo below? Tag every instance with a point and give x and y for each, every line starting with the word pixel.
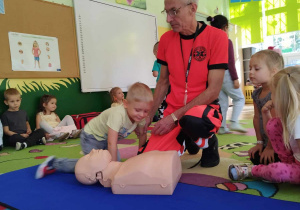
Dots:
pixel 239 171
pixel 223 130
pixel 234 126
pixel 63 136
pixel 76 133
pixel 45 168
pixel 20 146
pixel 41 141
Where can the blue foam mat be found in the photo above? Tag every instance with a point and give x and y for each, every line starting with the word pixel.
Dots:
pixel 62 191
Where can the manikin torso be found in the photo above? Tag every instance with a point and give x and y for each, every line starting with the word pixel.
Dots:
pixel 154 172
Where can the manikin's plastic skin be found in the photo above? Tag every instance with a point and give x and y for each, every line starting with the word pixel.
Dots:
pixel 154 172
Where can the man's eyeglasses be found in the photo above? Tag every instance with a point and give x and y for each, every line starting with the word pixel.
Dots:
pixel 173 12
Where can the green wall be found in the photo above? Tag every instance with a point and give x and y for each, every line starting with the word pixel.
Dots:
pixel 70 100
pixel 281 16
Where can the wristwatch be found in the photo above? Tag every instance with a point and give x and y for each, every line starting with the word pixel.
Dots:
pixel 175 119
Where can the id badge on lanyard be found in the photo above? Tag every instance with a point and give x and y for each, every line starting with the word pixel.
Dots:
pixel 188 66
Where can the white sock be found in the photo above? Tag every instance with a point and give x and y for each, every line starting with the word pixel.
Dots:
pixel 25 145
pixel 202 143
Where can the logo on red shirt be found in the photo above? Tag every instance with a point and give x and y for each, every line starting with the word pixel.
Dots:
pixel 199 53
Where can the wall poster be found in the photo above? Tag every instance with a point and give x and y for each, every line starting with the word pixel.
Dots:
pixel 34 52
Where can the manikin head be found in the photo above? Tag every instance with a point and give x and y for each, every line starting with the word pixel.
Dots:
pixel 88 166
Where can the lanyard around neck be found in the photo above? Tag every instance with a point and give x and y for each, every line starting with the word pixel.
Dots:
pixel 191 54
pixel 189 63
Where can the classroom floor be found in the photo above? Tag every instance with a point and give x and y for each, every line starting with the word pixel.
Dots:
pixel 247 113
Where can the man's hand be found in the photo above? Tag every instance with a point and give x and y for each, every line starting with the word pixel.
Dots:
pixel 163 126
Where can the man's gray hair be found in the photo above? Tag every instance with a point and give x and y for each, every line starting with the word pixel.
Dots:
pixel 193 1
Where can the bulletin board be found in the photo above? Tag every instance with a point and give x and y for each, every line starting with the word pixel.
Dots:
pixel 40 18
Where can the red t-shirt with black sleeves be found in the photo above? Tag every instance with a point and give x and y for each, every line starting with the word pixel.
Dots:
pixel 210 51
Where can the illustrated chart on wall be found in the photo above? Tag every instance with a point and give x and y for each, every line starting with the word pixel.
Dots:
pixel 33 52
pixel 115 45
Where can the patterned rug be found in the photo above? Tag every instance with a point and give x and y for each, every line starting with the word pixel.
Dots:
pixel 232 148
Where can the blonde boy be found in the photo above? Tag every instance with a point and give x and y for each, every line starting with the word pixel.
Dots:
pixel 104 131
pixel 15 123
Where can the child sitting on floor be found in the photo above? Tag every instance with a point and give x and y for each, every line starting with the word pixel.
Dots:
pixel 104 131
pixel 282 131
pixel 117 96
pixel 263 65
pixel 49 121
pixel 15 123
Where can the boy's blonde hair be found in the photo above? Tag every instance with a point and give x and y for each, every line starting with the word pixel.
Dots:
pixel 139 92
pixel 113 92
pixel 286 89
pixel 10 92
pixel 272 59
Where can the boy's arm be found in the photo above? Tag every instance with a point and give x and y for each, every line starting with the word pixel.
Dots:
pixel 7 131
pixel 142 136
pixel 28 128
pixel 112 138
pixel 155 73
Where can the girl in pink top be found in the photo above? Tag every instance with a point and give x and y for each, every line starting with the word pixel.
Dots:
pixel 36 53
pixel 283 132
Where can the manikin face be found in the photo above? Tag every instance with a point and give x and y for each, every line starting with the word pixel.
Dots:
pixel 51 105
pixel 88 166
pixel 259 71
pixel 179 14
pixel 137 110
pixel 13 102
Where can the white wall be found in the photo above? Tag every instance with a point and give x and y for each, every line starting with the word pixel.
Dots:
pixel 156 6
pixel 208 7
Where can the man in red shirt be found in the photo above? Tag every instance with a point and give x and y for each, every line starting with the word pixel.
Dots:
pixel 193 58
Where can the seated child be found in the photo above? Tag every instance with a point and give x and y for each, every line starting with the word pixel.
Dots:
pixel 117 96
pixel 263 65
pixel 282 131
pixel 15 123
pixel 104 131
pixel 49 121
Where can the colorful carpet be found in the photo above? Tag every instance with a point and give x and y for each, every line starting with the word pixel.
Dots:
pixel 232 147
pixel 63 191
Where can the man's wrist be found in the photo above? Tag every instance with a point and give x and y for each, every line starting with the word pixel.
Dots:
pixel 174 118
